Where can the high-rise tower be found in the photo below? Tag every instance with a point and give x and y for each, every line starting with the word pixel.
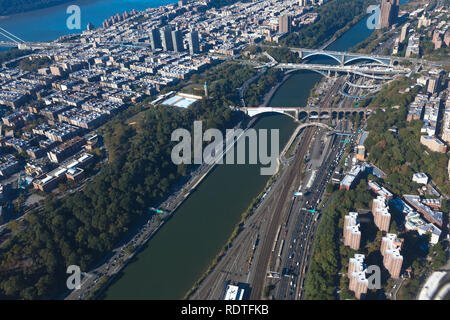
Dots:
pixel 389 13
pixel 177 40
pixel 155 38
pixel 166 39
pixel 193 42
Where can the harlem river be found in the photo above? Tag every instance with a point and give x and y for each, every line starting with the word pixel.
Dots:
pixel 182 250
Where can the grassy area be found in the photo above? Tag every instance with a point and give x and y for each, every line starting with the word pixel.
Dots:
pixel 291 149
pixel 409 289
pixel 194 88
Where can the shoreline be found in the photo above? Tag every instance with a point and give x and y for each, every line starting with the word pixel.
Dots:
pixel 269 95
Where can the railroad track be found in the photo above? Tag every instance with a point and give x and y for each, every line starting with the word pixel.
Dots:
pixel 280 198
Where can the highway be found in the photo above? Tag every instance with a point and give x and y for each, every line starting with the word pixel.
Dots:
pixel 297 227
pixel 303 222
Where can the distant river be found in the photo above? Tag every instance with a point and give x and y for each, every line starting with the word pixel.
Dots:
pixel 50 23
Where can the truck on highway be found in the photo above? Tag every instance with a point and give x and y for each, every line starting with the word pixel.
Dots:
pixel 317 216
pixel 281 248
pixel 311 179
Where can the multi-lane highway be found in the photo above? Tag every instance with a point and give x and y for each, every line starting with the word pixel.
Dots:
pixel 302 224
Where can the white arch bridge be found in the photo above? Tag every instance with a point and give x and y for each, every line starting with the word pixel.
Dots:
pixel 312 113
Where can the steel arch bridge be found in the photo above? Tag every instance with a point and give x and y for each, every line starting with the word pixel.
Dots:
pixel 342 58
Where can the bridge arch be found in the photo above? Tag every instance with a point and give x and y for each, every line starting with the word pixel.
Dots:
pixel 366 58
pixel 313 115
pixel 334 115
pixel 362 114
pixel 302 114
pixel 317 124
pixel 299 69
pixel 322 54
pixel 270 110
pixel 324 115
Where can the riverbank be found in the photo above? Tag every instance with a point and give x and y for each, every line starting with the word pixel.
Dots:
pixel 269 95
